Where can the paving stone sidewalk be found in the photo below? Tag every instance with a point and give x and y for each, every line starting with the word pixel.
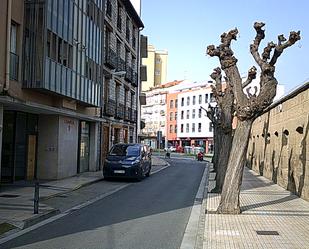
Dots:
pixel 271 218
pixel 16 201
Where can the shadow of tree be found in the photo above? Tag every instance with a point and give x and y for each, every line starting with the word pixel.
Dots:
pixel 303 159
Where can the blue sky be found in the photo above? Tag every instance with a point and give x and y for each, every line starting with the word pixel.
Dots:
pixel 186 28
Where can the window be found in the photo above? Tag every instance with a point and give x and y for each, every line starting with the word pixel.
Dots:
pixel 188 114
pixel 199 127
pixel 200 99
pixel 188 100
pixel 182 114
pixel 210 127
pixel 109 8
pixel 171 128
pixel 193 101
pixel 157 72
pixel 176 103
pixel 193 127
pixel 193 113
pixel 187 128
pixel 212 99
pixel 206 98
pixel 119 19
pixel 175 115
pixel 175 129
pixel 171 116
pixel 14 58
pixel 200 113
pixel 182 101
pixel 171 103
pixel 181 128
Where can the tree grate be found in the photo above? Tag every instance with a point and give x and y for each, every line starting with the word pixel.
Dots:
pixel 264 232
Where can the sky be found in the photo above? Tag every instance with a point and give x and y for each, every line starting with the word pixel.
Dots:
pixel 186 28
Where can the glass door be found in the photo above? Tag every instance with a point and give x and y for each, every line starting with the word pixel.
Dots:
pixel 84 145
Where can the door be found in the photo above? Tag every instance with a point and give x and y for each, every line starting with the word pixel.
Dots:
pixel 84 146
pixel 31 157
pixel 105 143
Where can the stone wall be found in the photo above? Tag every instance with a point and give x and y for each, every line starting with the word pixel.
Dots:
pixel 278 145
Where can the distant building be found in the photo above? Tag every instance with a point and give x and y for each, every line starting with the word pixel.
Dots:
pixel 154 113
pixel 156 64
pixel 193 126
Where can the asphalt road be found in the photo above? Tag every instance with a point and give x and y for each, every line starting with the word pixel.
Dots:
pixel 150 214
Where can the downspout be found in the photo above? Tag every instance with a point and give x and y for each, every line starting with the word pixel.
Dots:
pixel 138 106
pixel 8 41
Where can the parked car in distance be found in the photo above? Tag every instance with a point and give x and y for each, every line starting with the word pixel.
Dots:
pixel 128 161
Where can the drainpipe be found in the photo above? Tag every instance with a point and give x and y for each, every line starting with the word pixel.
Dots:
pixel 138 106
pixel 8 39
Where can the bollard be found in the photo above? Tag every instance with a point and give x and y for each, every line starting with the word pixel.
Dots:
pixel 36 198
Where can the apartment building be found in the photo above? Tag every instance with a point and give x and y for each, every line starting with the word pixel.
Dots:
pixel 68 70
pixel 154 113
pixel 122 27
pixel 156 64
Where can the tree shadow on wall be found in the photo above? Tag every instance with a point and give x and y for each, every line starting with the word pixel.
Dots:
pixel 303 159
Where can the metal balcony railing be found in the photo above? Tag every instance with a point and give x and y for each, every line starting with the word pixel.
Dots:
pixel 134 116
pixel 14 61
pixel 110 108
pixel 129 73
pixel 120 64
pixel 120 111
pixel 134 79
pixel 111 58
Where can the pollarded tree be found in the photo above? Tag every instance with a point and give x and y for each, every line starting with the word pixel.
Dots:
pixel 223 133
pixel 248 106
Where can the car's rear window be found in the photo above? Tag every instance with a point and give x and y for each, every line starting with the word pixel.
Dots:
pixel 125 150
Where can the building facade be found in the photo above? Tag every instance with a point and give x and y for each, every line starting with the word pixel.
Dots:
pixel 122 27
pixel 156 64
pixel 193 126
pixel 68 83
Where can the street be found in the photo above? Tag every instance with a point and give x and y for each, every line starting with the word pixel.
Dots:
pixel 149 214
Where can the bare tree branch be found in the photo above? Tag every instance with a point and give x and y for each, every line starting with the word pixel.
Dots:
pixel 251 76
pixel 217 77
pixel 267 51
pixel 254 48
pixel 283 44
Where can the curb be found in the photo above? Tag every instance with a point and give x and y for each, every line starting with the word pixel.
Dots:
pixel 194 233
pixel 70 190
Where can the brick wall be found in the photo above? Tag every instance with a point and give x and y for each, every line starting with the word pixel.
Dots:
pixel 278 146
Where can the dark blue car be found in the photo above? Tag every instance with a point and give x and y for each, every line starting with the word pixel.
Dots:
pixel 128 161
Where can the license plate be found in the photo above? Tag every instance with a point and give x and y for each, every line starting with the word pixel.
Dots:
pixel 119 171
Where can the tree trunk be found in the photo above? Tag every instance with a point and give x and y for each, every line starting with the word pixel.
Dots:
pixel 217 143
pixel 229 203
pixel 225 147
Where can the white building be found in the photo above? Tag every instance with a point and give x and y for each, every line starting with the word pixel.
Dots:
pixel 194 127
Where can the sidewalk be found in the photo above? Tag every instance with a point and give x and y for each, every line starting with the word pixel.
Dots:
pixel 16 201
pixel 271 217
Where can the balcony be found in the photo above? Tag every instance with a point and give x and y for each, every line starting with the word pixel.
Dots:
pixel 128 114
pixel 120 111
pixel 14 61
pixel 134 79
pixel 111 58
pixel 134 116
pixel 120 64
pixel 129 73
pixel 110 108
